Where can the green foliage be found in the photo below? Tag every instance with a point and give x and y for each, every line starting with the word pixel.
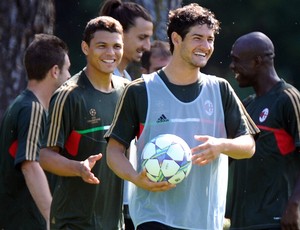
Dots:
pixel 279 19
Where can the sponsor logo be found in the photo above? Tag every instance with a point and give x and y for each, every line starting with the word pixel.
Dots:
pixel 162 118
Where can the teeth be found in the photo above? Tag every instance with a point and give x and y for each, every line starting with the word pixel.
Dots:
pixel 109 61
pixel 200 54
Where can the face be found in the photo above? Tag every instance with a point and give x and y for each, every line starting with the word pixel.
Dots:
pixel 197 47
pixel 243 65
pixel 104 52
pixel 157 61
pixel 137 40
pixel 64 73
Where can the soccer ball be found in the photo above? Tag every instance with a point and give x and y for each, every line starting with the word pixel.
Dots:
pixel 167 157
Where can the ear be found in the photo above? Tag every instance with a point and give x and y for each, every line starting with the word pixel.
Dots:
pixel 54 71
pixel 258 60
pixel 85 47
pixel 176 39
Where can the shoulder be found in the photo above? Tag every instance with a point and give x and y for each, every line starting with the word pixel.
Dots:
pixel 215 79
pixel 290 91
pixel 119 82
pixel 68 87
pixel 136 86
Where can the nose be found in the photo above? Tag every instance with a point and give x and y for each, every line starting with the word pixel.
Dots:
pixel 110 50
pixel 147 44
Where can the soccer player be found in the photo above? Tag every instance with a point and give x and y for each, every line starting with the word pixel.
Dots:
pixel 265 190
pixel 201 109
pixel 25 196
pixel 157 57
pixel 138 29
pixel 88 195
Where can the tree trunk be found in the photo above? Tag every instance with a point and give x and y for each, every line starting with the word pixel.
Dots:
pixel 19 21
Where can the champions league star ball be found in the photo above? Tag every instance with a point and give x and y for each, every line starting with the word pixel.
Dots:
pixel 167 157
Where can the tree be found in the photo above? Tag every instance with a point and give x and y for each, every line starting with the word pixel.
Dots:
pixel 20 20
pixel 159 10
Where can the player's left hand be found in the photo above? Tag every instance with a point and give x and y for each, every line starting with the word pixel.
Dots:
pixel 206 152
pixel 291 217
pixel 86 167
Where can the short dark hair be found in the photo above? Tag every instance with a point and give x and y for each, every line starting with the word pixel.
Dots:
pixel 102 23
pixel 125 12
pixel 163 48
pixel 182 19
pixel 42 54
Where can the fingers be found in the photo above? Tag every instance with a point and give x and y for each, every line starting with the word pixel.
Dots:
pixel 95 157
pixel 145 183
pixel 85 169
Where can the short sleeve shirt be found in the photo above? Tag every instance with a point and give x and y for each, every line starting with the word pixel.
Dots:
pixel 20 132
pixel 79 116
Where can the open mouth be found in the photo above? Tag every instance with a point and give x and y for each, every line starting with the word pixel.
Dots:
pixel 109 61
pixel 201 54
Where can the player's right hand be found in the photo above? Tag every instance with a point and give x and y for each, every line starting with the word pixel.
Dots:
pixel 86 167
pixel 143 182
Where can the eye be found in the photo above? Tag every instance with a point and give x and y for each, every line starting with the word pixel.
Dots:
pixel 117 47
pixel 211 40
pixel 101 46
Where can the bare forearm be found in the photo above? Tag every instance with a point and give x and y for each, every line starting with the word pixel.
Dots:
pixel 53 162
pixel 240 147
pixel 37 184
pixel 116 157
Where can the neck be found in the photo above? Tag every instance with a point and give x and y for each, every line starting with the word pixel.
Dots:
pixel 100 81
pixel 266 82
pixel 42 91
pixel 123 65
pixel 178 75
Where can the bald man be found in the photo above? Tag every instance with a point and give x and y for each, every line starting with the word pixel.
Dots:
pixel 264 191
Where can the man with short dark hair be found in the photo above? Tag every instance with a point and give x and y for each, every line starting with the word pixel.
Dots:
pixel 88 195
pixel 201 109
pixel 25 196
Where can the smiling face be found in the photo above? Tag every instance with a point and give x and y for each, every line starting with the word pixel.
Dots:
pixel 197 46
pixel 104 52
pixel 137 40
pixel 243 64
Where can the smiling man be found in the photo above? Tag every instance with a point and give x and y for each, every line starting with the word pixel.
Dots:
pixel 80 113
pixel 265 189
pixel 201 109
pixel 138 29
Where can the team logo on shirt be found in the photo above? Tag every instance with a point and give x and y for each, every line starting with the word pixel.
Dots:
pixel 93 112
pixel 208 107
pixel 94 119
pixel 263 115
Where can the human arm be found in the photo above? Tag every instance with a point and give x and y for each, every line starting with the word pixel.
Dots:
pixel 210 148
pixel 38 187
pixel 291 216
pixel 52 161
pixel 116 158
